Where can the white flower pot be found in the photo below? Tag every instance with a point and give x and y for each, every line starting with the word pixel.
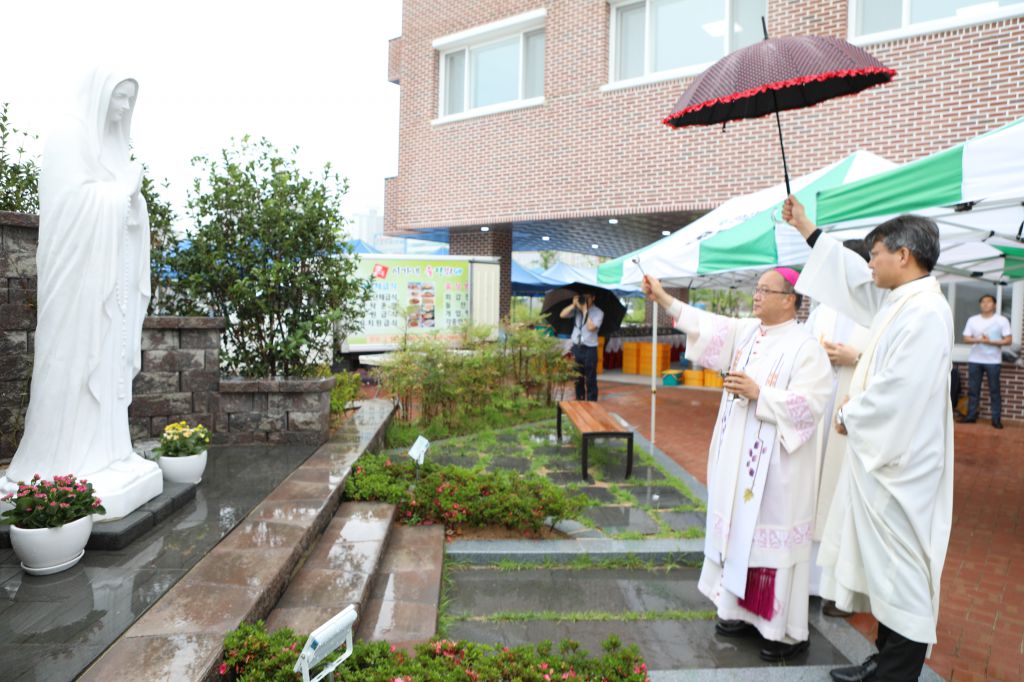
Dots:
pixel 50 550
pixel 183 469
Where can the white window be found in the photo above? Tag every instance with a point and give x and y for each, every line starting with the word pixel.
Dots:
pixel 492 68
pixel 888 19
pixel 963 299
pixel 661 39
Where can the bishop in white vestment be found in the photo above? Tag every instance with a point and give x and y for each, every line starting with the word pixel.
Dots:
pixel 888 529
pixel 761 463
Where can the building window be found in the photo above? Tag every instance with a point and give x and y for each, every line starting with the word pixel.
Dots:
pixel 492 68
pixel 963 299
pixel 676 37
pixel 893 18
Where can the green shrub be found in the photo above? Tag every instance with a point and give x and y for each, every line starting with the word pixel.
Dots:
pixel 268 254
pixel 251 654
pixel 345 391
pixel 458 496
pixel 19 173
pixel 450 390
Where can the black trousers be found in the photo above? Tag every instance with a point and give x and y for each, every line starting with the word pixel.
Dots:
pixel 586 365
pixel 899 659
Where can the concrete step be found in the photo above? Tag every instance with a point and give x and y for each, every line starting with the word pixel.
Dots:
pixel 338 570
pixel 403 604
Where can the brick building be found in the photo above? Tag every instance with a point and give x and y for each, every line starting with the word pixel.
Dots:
pixel 536 124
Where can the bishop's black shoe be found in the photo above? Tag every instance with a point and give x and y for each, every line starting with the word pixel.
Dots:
pixel 780 652
pixel 734 628
pixel 996 424
pixel 856 673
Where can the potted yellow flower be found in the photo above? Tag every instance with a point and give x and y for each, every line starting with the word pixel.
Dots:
pixel 182 452
pixel 51 521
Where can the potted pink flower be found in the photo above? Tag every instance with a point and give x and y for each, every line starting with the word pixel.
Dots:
pixel 51 521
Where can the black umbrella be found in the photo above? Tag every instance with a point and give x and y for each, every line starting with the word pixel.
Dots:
pixel 556 300
pixel 776 74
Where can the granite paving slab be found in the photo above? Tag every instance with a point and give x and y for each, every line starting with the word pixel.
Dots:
pixel 598 494
pixel 520 464
pixel 682 521
pixel 667 496
pixel 665 645
pixel 482 591
pixel 621 520
pixel 567 477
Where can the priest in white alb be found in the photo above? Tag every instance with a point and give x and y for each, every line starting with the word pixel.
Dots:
pixel 761 462
pixel 843 340
pixel 888 529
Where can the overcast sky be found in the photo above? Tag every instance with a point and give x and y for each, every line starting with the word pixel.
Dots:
pixel 311 73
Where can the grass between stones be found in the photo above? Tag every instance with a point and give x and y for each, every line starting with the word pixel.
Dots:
pixel 585 616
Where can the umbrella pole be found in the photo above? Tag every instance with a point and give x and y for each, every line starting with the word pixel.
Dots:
pixel 778 121
pixel 654 371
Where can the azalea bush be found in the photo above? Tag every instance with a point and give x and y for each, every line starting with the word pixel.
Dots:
pixel 456 496
pixel 42 503
pixel 181 440
pixel 251 653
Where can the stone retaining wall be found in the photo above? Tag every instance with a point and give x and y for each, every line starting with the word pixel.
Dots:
pixel 180 374
pixel 274 411
pixel 18 237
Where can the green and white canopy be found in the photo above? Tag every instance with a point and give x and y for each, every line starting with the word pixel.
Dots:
pixel 974 191
pixel 739 239
pixel 986 169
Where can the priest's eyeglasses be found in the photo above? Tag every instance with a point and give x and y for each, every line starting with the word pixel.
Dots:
pixel 764 291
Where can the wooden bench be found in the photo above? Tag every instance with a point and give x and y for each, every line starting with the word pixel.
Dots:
pixel 593 421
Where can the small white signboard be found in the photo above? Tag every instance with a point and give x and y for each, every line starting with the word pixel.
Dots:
pixel 419 450
pixel 324 640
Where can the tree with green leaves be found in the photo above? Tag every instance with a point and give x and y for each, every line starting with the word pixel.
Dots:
pixel 19 174
pixel 268 253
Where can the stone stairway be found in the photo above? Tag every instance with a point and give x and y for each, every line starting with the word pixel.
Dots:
pixel 246 574
pixel 338 570
pixel 403 605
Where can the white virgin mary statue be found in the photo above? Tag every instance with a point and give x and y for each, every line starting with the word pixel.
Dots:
pixel 93 291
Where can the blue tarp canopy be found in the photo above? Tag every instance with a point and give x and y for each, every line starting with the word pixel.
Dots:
pixel 359 246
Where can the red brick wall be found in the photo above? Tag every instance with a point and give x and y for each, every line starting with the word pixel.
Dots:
pixel 586 152
pixel 1011 384
pixel 496 242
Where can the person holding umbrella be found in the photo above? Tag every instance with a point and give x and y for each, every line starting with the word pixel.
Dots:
pixel 587 319
pixel 887 531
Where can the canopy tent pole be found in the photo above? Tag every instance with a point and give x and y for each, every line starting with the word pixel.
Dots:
pixel 654 369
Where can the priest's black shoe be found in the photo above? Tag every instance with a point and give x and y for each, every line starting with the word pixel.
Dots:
pixel 779 652
pixel 856 673
pixel 734 628
pixel 969 420
pixel 997 424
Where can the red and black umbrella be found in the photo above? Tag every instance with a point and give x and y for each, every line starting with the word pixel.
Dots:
pixel 774 75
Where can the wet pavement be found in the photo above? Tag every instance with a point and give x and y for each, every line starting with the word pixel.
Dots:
pixel 481 599
pixel 52 627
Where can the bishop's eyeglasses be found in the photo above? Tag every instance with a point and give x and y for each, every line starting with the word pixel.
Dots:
pixel 764 291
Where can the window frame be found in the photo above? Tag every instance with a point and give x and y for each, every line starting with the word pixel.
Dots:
pixel 1015 290
pixel 909 30
pixel 520 26
pixel 648 75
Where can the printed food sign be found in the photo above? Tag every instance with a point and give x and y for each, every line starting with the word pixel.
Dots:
pixel 412 296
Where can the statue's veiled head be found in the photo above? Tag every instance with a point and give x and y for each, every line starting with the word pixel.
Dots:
pixel 106 101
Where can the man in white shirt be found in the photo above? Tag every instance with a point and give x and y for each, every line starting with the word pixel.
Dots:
pixel 987 333
pixel 587 319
